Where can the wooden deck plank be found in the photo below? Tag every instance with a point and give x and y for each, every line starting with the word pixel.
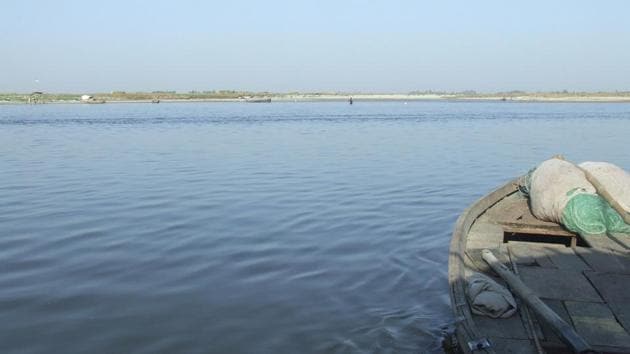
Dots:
pixel 484 235
pixel 622 239
pixel 502 327
pixel 529 254
pixel 605 255
pixel 558 307
pixel 622 312
pixel 513 346
pixel 501 253
pixel 601 261
pixel 597 324
pixel 514 214
pixel 475 262
pixel 609 244
pixel 614 288
pixel 566 258
pixel 522 228
pixel 559 284
pixel 481 265
pixel 546 255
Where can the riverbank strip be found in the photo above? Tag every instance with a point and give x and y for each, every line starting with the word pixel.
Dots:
pixel 15 98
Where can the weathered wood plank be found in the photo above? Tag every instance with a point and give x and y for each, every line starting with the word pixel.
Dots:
pixel 615 288
pixel 513 346
pixel 558 307
pixel 536 230
pixel 608 244
pixel 512 209
pixel 622 312
pixel 529 254
pixel 566 258
pixel 480 264
pixel 559 284
pixel 622 239
pixel 546 255
pixel 513 212
pixel 605 255
pixel 502 327
pixel 484 235
pixel 597 324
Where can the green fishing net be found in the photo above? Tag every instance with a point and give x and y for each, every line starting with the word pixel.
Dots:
pixel 590 214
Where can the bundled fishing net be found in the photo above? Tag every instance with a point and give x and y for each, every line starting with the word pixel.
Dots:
pixel 588 214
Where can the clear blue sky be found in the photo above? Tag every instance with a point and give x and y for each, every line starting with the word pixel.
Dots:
pixel 378 46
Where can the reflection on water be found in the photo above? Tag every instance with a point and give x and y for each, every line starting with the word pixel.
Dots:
pixel 240 228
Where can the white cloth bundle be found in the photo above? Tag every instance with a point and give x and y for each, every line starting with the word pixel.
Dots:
pixel 489 298
pixel 552 184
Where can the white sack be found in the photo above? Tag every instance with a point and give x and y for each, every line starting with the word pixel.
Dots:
pixel 552 184
pixel 613 178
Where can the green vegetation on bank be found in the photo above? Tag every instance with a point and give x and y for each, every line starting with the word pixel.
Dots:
pixel 129 96
pixel 122 96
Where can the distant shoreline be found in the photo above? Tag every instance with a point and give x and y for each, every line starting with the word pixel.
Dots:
pixel 231 96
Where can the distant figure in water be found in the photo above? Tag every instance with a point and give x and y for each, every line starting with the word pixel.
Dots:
pixel 350 100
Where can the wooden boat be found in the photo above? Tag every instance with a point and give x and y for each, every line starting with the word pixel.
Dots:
pixel 258 100
pixel 584 281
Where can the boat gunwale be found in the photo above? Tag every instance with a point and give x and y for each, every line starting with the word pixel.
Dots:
pixel 465 328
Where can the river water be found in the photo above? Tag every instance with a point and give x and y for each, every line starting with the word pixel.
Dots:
pixel 256 228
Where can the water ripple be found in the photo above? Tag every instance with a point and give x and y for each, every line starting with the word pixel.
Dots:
pixel 312 227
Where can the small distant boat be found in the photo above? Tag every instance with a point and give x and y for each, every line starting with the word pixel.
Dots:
pixel 258 100
pixel 91 100
pixel 94 101
pixel 155 100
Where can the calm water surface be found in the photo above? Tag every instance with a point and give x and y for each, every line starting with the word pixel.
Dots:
pixel 255 228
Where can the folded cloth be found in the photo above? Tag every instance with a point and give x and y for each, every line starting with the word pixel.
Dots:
pixel 489 298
